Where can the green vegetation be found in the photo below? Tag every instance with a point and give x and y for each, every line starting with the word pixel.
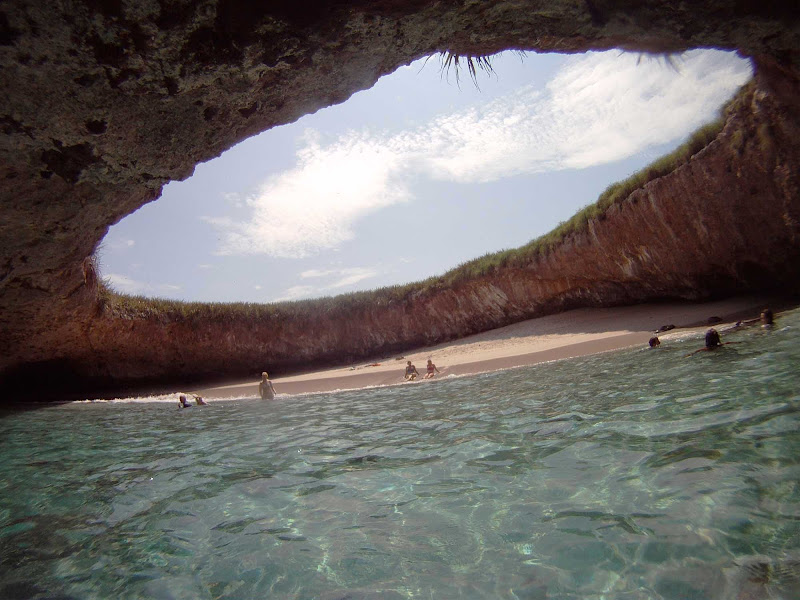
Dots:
pixel 613 194
pixel 171 310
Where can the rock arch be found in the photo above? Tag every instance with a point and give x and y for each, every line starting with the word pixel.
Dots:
pixel 106 101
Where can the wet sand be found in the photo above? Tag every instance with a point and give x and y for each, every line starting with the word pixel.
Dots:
pixel 567 335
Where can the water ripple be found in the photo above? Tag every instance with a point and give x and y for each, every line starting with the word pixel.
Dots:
pixel 631 475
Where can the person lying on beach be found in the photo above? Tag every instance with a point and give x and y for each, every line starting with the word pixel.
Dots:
pixel 411 372
pixel 183 402
pixel 431 369
pixel 265 387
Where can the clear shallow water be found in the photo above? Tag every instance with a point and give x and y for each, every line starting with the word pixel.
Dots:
pixel 634 475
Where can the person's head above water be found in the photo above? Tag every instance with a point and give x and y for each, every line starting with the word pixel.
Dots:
pixel 712 338
pixel 766 317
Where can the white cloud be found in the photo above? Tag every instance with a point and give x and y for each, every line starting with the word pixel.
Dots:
pixel 343 277
pixel 316 273
pixel 335 280
pixel 600 108
pixel 297 292
pixel 126 285
pixel 121 244
pixel 234 199
pixel 315 205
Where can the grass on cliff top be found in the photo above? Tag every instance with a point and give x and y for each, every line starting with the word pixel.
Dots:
pixel 125 306
pixel 170 311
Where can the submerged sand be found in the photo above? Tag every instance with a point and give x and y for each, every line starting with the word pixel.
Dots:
pixel 566 335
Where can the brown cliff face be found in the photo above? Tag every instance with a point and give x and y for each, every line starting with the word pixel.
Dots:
pixel 727 221
pixel 107 102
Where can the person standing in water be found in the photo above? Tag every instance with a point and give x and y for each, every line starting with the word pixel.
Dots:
pixel 265 387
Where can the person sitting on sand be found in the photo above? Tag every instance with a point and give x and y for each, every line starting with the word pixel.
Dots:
pixel 265 387
pixel 654 342
pixel 183 402
pixel 431 369
pixel 411 372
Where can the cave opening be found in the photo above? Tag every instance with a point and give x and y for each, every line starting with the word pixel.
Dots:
pixel 414 176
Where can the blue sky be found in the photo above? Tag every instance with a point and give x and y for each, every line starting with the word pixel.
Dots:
pixel 414 176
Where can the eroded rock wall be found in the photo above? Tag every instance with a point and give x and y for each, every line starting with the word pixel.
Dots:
pixel 728 221
pixel 104 102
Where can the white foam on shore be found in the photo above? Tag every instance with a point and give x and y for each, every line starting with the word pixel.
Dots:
pixel 157 399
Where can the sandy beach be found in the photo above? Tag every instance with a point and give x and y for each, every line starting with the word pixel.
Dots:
pixel 567 335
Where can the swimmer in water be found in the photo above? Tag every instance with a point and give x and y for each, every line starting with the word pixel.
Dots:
pixel 713 342
pixel 712 339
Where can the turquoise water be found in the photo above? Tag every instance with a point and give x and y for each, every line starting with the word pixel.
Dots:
pixel 633 475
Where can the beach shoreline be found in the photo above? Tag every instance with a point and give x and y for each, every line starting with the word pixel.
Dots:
pixel 570 334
